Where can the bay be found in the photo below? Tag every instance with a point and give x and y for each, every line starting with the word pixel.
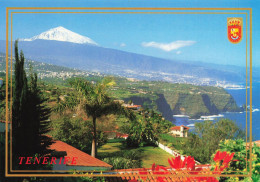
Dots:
pixel 239 117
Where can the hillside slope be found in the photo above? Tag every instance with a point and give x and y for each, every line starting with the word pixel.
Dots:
pixel 172 99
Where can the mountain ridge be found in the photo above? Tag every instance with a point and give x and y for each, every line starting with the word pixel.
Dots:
pixel 122 63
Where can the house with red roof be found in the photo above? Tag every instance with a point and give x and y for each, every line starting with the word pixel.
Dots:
pixel 132 106
pixel 179 131
pixel 257 143
pixel 252 144
pixel 74 159
pixel 121 135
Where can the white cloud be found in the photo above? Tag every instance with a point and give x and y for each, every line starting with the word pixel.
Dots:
pixel 178 52
pixel 122 45
pixel 169 46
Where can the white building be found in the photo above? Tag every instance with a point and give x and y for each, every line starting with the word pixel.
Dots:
pixel 179 131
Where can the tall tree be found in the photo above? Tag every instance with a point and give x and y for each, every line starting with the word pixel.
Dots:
pixel 146 128
pixel 2 97
pixel 39 118
pixel 19 107
pixel 29 115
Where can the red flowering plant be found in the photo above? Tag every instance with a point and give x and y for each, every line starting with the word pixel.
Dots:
pixel 183 169
pixel 240 164
pixel 222 160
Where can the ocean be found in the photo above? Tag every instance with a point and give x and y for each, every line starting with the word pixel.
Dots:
pixel 239 117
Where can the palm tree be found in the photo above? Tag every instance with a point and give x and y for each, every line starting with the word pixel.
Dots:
pixel 94 100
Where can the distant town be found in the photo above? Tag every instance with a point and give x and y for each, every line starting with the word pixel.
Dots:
pixel 46 70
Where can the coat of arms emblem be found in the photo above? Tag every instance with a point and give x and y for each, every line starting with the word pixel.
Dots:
pixel 234 28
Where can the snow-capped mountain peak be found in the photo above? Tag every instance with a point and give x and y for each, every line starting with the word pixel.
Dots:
pixel 62 34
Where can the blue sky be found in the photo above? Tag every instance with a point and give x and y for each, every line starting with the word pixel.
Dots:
pixel 172 36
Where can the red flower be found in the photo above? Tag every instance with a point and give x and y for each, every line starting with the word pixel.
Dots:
pixel 228 158
pixel 190 162
pixel 156 169
pixel 177 163
pixel 220 156
pixel 188 166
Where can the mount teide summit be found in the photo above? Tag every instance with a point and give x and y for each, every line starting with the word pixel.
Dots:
pixel 62 34
pixel 63 47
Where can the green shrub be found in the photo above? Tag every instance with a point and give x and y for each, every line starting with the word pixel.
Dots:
pixel 177 143
pixel 132 142
pixel 181 152
pixel 132 154
pixel 78 133
pixel 169 145
pixel 239 162
pixel 207 137
pixel 123 163
pixel 116 140
pixel 124 159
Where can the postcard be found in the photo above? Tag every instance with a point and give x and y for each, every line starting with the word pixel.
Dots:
pixel 129 91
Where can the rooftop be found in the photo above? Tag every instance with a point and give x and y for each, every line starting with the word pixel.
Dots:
pixel 83 159
pixel 254 142
pixel 179 127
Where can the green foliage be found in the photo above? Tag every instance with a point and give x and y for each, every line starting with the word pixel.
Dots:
pixel 169 145
pixel 2 99
pixel 122 163
pixel 124 159
pixel 196 147
pixel 116 140
pixel 78 133
pixel 39 118
pixel 29 114
pixel 146 128
pixel 20 106
pixel 172 142
pixel 207 136
pixel 191 104
pixel 134 141
pixel 95 101
pixel 123 124
pixel 241 159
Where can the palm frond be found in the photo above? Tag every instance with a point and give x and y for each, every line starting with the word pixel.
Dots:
pixel 116 108
pixel 70 103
